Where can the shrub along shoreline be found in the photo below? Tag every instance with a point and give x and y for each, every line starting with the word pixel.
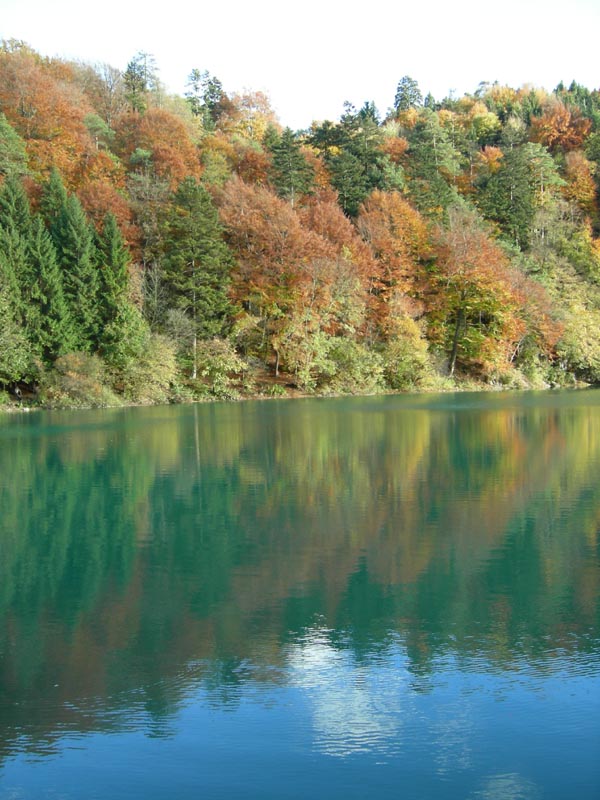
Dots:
pixel 70 390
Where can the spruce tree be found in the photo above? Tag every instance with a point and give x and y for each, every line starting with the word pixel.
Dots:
pixel 113 259
pixel 291 174
pixel 15 210
pixel 349 179
pixel 13 155
pixel 507 196
pixel 54 198
pixel 197 262
pixel 124 332
pixel 15 353
pixel 74 241
pixel 15 230
pixel 48 320
pixel 432 168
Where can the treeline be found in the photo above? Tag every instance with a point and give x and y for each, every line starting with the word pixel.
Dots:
pixel 155 247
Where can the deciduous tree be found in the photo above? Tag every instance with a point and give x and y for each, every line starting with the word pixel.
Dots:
pixel 472 306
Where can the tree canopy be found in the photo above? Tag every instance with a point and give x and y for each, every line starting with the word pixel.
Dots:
pixel 449 240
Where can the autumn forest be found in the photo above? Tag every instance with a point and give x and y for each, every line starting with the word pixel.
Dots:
pixel 158 248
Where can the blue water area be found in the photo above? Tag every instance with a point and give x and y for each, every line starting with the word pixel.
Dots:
pixel 382 597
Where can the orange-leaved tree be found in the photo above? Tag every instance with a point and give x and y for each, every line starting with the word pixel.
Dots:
pixel 48 111
pixel 158 139
pixel 297 287
pixel 560 128
pixel 473 303
pixel 399 240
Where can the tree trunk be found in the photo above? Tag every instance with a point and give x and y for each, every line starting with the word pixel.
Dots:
pixel 195 357
pixel 195 340
pixel 453 354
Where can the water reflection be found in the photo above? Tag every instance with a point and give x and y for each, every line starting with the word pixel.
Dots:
pixel 357 551
pixel 508 787
pixel 355 707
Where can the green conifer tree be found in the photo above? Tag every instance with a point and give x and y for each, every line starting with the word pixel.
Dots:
pixel 54 198
pixel 291 174
pixel 15 230
pixel 349 179
pixel 15 211
pixel 74 240
pixel 113 258
pixel 433 165
pixel 48 320
pixel 15 353
pixel 507 196
pixel 197 263
pixel 13 156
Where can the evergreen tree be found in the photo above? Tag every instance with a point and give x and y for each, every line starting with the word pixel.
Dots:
pixel 139 79
pixel 408 94
pixel 113 258
pixel 354 156
pixel 197 263
pixel 8 278
pixel 54 199
pixel 433 165
pixel 124 338
pixel 74 241
pixel 13 156
pixel 507 196
pixel 15 211
pixel 15 354
pixel 124 332
pixel 48 321
pixel 364 138
pixel 292 175
pixel 349 179
pixel 206 98
pixel 15 231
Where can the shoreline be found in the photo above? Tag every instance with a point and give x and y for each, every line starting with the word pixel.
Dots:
pixel 19 407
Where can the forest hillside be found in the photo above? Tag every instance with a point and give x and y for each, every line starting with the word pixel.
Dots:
pixel 158 248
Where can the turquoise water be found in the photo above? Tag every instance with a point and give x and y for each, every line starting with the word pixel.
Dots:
pixel 392 597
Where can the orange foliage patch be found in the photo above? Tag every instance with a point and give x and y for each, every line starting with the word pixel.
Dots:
pixel 559 128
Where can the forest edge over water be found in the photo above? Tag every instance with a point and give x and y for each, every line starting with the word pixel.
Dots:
pixel 156 248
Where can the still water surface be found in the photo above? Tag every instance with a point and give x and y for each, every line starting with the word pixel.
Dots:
pixel 385 597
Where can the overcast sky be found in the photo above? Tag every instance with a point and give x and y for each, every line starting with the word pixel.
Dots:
pixel 311 56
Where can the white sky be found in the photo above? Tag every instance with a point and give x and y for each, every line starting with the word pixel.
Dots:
pixel 311 56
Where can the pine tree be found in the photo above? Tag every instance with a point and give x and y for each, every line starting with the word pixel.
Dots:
pixel 206 98
pixel 408 94
pixel 140 78
pixel 124 338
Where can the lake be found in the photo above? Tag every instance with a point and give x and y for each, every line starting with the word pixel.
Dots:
pixel 386 597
